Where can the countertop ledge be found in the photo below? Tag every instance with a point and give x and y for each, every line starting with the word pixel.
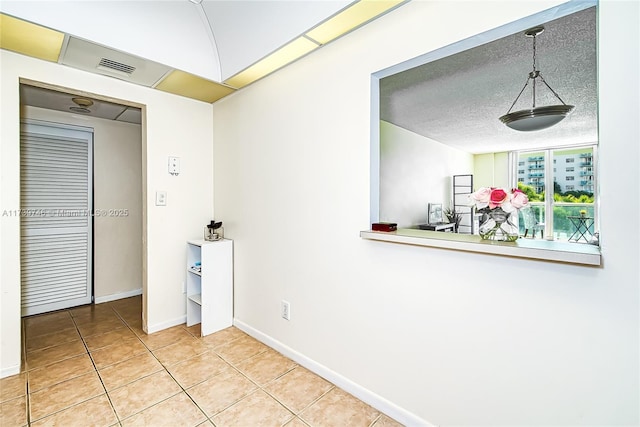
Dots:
pixel 566 252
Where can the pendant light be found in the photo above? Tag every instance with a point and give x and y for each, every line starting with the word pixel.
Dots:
pixel 536 118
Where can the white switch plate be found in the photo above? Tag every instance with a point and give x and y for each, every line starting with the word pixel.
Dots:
pixel 161 198
pixel 174 165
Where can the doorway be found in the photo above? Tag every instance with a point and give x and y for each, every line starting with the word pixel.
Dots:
pixel 116 208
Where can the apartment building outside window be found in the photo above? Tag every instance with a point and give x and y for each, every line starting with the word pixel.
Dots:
pixel 573 187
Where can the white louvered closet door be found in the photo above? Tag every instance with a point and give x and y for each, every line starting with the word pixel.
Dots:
pixel 56 217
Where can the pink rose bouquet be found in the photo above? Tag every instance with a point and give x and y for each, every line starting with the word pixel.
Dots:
pixel 498 204
pixel 489 198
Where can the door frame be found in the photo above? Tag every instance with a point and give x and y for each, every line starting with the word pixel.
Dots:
pixel 143 168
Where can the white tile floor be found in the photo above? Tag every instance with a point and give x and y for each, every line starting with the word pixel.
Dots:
pixel 93 365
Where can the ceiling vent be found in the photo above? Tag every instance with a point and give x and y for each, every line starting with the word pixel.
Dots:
pixel 118 67
pixel 95 58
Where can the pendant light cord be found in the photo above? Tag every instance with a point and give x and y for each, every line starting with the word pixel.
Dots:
pixel 535 73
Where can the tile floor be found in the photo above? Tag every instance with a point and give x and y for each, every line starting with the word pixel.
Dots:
pixel 94 366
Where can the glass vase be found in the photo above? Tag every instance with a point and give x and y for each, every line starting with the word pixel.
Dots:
pixel 500 226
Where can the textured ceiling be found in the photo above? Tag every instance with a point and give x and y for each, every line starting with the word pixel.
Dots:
pixel 457 100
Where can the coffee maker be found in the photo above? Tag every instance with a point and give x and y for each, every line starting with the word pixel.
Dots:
pixel 213 231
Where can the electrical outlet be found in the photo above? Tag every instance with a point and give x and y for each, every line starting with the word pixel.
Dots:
pixel 174 166
pixel 285 309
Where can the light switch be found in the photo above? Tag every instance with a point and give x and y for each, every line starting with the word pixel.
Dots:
pixel 174 166
pixel 161 198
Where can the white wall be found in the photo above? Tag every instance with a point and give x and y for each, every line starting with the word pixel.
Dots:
pixel 416 171
pixel 117 183
pixel 172 126
pixel 448 336
pixel 491 170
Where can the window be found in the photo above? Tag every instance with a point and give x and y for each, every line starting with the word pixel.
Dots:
pixel 571 193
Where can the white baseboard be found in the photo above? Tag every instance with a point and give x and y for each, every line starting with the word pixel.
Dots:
pixel 121 295
pixel 150 328
pixel 12 370
pixel 367 396
pixel 168 324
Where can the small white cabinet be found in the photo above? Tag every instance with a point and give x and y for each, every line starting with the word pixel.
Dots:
pixel 210 284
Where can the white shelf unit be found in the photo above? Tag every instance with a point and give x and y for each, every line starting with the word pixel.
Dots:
pixel 210 290
pixel 462 188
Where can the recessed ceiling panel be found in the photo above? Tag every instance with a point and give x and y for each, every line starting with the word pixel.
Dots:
pixel 351 18
pixel 185 84
pixel 29 39
pixel 292 51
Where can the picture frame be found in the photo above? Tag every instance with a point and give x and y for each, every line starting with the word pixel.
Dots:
pixel 434 213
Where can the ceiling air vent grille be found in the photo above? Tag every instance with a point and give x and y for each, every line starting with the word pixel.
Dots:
pixel 118 67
